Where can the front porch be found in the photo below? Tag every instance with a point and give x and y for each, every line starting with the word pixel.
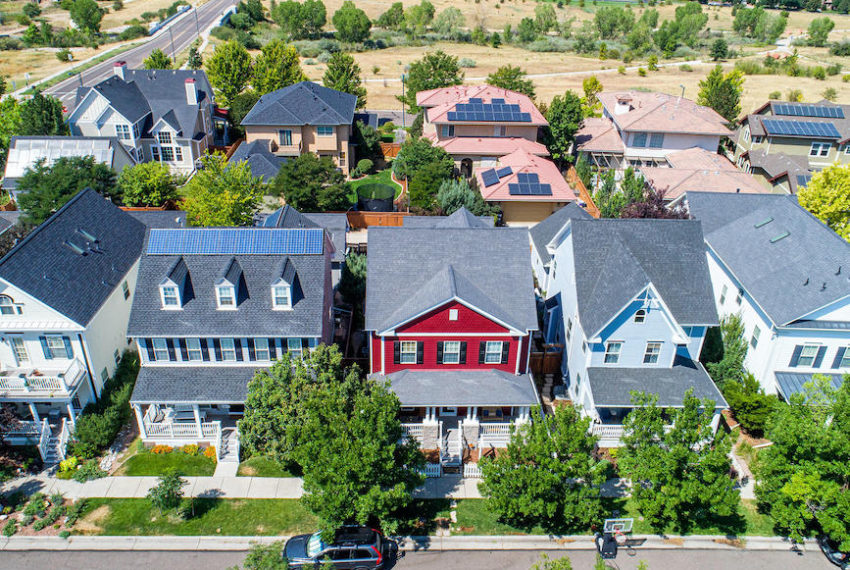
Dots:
pixel 608 425
pixel 184 424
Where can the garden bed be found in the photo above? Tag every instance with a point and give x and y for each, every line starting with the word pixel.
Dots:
pixel 147 463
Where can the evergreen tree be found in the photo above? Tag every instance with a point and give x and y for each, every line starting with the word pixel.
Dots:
pixel 42 116
pixel 351 23
pixel 343 74
pixel 195 61
pixel 722 92
pixel 277 66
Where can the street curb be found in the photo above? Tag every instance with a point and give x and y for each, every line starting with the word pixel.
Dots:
pixel 406 544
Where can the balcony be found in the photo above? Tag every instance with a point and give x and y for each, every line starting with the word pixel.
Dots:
pixel 288 150
pixel 42 382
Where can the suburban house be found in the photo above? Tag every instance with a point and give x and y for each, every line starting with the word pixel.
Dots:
pixel 65 297
pixel 542 247
pixel 212 306
pixel 782 143
pixel 263 163
pixel 26 152
pixel 463 218
pixel 698 170
pixel 526 187
pixel 478 124
pixel 785 273
pixel 449 311
pixel 163 115
pixel 304 117
pixel 640 129
pixel 630 302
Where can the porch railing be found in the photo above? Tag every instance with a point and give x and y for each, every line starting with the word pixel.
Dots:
pixel 58 383
pixel 44 439
pixel 25 429
pixel 413 431
pixel 187 430
pixel 64 436
pixel 607 432
pixel 496 435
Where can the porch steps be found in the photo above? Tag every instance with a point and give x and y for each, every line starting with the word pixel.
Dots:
pixel 54 454
pixel 229 446
pixel 452 447
pixel 547 395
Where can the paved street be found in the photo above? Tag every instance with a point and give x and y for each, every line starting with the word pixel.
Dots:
pixel 507 560
pixel 185 31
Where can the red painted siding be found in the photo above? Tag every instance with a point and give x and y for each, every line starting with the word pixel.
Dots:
pixel 437 321
pixel 430 353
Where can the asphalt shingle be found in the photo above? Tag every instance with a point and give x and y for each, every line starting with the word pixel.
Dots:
pixel 192 384
pixel 462 388
pixel 304 103
pixel 542 233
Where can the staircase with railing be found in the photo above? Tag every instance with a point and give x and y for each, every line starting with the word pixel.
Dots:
pixel 452 450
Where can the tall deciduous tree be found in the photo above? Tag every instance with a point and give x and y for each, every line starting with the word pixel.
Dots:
pixel 343 74
pixel 393 18
pixel 312 184
pixel 434 70
pixel 592 87
pixel 730 367
pixel 276 67
pixel 564 116
pixel 819 29
pixel 10 125
pixel 722 92
pixel 351 23
pixel 44 189
pixel 300 20
pixel 548 475
pixel 222 194
pixel 229 70
pixel 415 154
pixel 513 78
pixel 147 184
pixel 680 477
pixel 157 60
pixel 42 116
pixel 827 197
pixel 87 15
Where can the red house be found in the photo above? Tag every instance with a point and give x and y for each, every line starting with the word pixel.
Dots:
pixel 449 311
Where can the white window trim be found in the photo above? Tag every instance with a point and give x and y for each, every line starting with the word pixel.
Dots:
pixel 218 297
pixel 163 297
pixel 231 348
pixel 754 339
pixel 820 146
pixel 640 316
pixel 490 353
pixel 814 355
pixel 402 352
pixel 455 353
pixel 17 342
pixel 290 348
pixel 160 345
pixel 647 353
pixel 190 349
pixel 282 306
pixel 615 354
pixel 845 358
pixel 265 349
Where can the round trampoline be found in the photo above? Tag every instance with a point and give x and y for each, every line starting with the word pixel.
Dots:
pixel 375 198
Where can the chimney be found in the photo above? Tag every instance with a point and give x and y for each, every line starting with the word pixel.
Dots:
pixel 191 92
pixel 120 69
pixel 624 105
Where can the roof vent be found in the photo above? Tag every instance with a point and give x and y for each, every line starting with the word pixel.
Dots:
pixel 75 248
pixel 763 222
pixel 783 235
pixel 823 287
pixel 87 235
pixel 807 282
pixel 839 271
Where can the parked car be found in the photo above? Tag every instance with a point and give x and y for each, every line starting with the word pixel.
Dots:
pixel 354 548
pixel 830 550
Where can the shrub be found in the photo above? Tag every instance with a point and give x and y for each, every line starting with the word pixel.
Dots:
pixel 56 499
pixel 9 44
pixel 751 406
pixel 621 70
pixel 161 449
pixel 466 62
pixel 64 55
pixel 210 452
pixel 133 32
pixel 190 449
pixel 794 96
pixel 775 95
pixel 830 94
pixel 819 73
pixel 10 529
pixel 74 512
pixel 222 33
pixel 549 45
pixel 841 48
pixel 363 167
pixel 69 464
pixel 323 57
pixel 26 520
pixel 117 5
pixel 642 72
pixel 685 67
pixel 36 505
pixel 31 9
pixel 833 69
pixel 89 471
pixel 64 534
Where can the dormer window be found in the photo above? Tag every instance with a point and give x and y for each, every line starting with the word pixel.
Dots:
pixel 282 296
pixel 8 307
pixel 640 316
pixel 170 297
pixel 226 296
pixel 282 286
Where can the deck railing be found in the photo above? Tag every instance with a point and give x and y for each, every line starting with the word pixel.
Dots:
pixel 414 431
pixel 44 439
pixel 494 435
pixel 183 430
pixel 609 432
pixel 53 384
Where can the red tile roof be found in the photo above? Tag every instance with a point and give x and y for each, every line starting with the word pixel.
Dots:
pixel 438 102
pixel 521 161
pixel 662 113
pixel 489 146
pixel 599 135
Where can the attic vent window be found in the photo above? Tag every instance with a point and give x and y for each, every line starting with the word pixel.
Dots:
pixel 764 222
pixel 783 235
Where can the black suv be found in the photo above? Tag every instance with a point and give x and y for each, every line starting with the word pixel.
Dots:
pixel 833 554
pixel 354 548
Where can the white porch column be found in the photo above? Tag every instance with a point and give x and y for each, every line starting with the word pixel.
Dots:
pixel 715 422
pixel 140 421
pixel 197 411
pixel 70 407
pixel 472 415
pixel 34 411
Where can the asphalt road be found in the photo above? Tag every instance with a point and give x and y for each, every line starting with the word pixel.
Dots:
pixel 184 31
pixel 507 560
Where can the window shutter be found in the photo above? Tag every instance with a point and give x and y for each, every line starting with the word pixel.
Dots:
pixel 396 352
pixel 284 345
pixel 463 352
pixel 217 348
pixel 420 352
pixel 46 349
pixel 184 351
pixel 796 355
pixel 149 346
pixel 440 352
pixel 205 353
pixel 169 342
pixel 819 357
pixel 506 347
pixel 273 349
pixel 237 345
pixel 839 356
pixel 482 351
pixel 305 344
pixel 251 354
pixel 69 350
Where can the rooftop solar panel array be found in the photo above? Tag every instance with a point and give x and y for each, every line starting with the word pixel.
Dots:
pixel 235 241
pixel 495 111
pixel 810 129
pixel 528 184
pixel 798 110
pixel 492 176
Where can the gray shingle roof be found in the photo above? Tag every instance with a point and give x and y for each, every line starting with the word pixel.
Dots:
pixel 46 267
pixel 462 388
pixel 304 103
pixel 335 224
pixel 254 316
pixel 186 384
pixel 160 219
pixel 8 219
pixel 462 218
pixel 261 160
pixel 791 265
pixel 542 233
pixel 617 259
pixel 611 386
pixel 412 270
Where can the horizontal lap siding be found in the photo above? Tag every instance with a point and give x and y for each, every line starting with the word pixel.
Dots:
pixel 437 321
pixel 430 354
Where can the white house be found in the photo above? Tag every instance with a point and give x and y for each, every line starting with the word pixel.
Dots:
pixel 786 274
pixel 65 297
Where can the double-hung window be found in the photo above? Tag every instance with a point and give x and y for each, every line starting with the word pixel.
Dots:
pixel 807 355
pixel 228 349
pixel 193 349
pixel 639 140
pixel 325 131
pixel 284 137
pixel 170 297
pixel 820 149
pixel 845 358
pixel 125 288
pixel 226 297
pixel 122 132
pixel 451 352
pixel 280 297
pixel 653 351
pixel 447 130
pixel 612 352
pixel 407 353
pixel 493 352
pixel 569 329
pixel 656 140
pixel 739 297
pixel 293 346
pixel 500 131
pixel 754 340
pixel 160 349
pixel 261 349
pixel 723 292
pixel 19 349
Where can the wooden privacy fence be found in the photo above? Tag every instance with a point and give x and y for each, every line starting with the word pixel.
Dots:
pixel 574 181
pixel 361 220
pixel 390 150
pixel 545 362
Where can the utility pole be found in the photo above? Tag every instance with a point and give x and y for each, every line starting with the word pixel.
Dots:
pixel 197 25
pixel 173 54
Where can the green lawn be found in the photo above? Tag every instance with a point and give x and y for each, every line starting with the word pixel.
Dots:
pixel 262 467
pixel 227 517
pixel 380 177
pixel 151 464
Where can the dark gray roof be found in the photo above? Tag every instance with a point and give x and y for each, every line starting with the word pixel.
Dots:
pixel 335 224
pixel 304 103
pixel 791 264
pixel 617 259
pixel 76 285
pixel 413 270
pixel 8 219
pixel 254 315
pixel 462 218
pixel 542 233
pixel 462 388
pixel 611 386
pixel 160 218
pixel 184 384
pixel 261 160
pixel 791 383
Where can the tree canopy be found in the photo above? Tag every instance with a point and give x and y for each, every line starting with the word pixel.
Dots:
pixel 10 125
pixel 351 23
pixel 512 78
pixel 147 184
pixel 87 15
pixel 565 117
pixel 276 67
pixel 827 197
pixel 393 18
pixel 310 183
pixel 722 92
pixel 434 70
pixel 229 70
pixel 455 194
pixel 819 29
pixel 157 60
pixel 343 74
pixel 42 116
pixel 416 153
pixel 300 20
pixel 222 193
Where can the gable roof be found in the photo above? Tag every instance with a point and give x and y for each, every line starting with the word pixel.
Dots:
pixel 616 259
pixel 47 266
pixel 543 233
pixel 772 111
pixel 304 103
pixel 438 103
pixel 791 264
pixel 462 218
pixel 262 162
pixel 413 270
pixel 521 162
pixel 489 146
pixel 598 134
pixel 777 165
pixel 661 113
pixel 336 225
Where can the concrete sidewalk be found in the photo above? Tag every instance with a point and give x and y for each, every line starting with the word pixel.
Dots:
pixel 407 543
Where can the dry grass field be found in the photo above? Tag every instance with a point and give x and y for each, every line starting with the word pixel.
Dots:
pixel 38 62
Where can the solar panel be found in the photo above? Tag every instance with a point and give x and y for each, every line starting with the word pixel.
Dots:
pixel 502 172
pixel 474 100
pixel 528 178
pixel 810 129
pixel 529 189
pixel 475 110
pixel 798 110
pixel 498 101
pixel 234 241
pixel 489 177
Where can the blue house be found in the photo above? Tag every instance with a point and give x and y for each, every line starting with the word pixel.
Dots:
pixel 630 301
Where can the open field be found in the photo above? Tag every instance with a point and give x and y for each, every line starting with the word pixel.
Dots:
pixel 39 62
